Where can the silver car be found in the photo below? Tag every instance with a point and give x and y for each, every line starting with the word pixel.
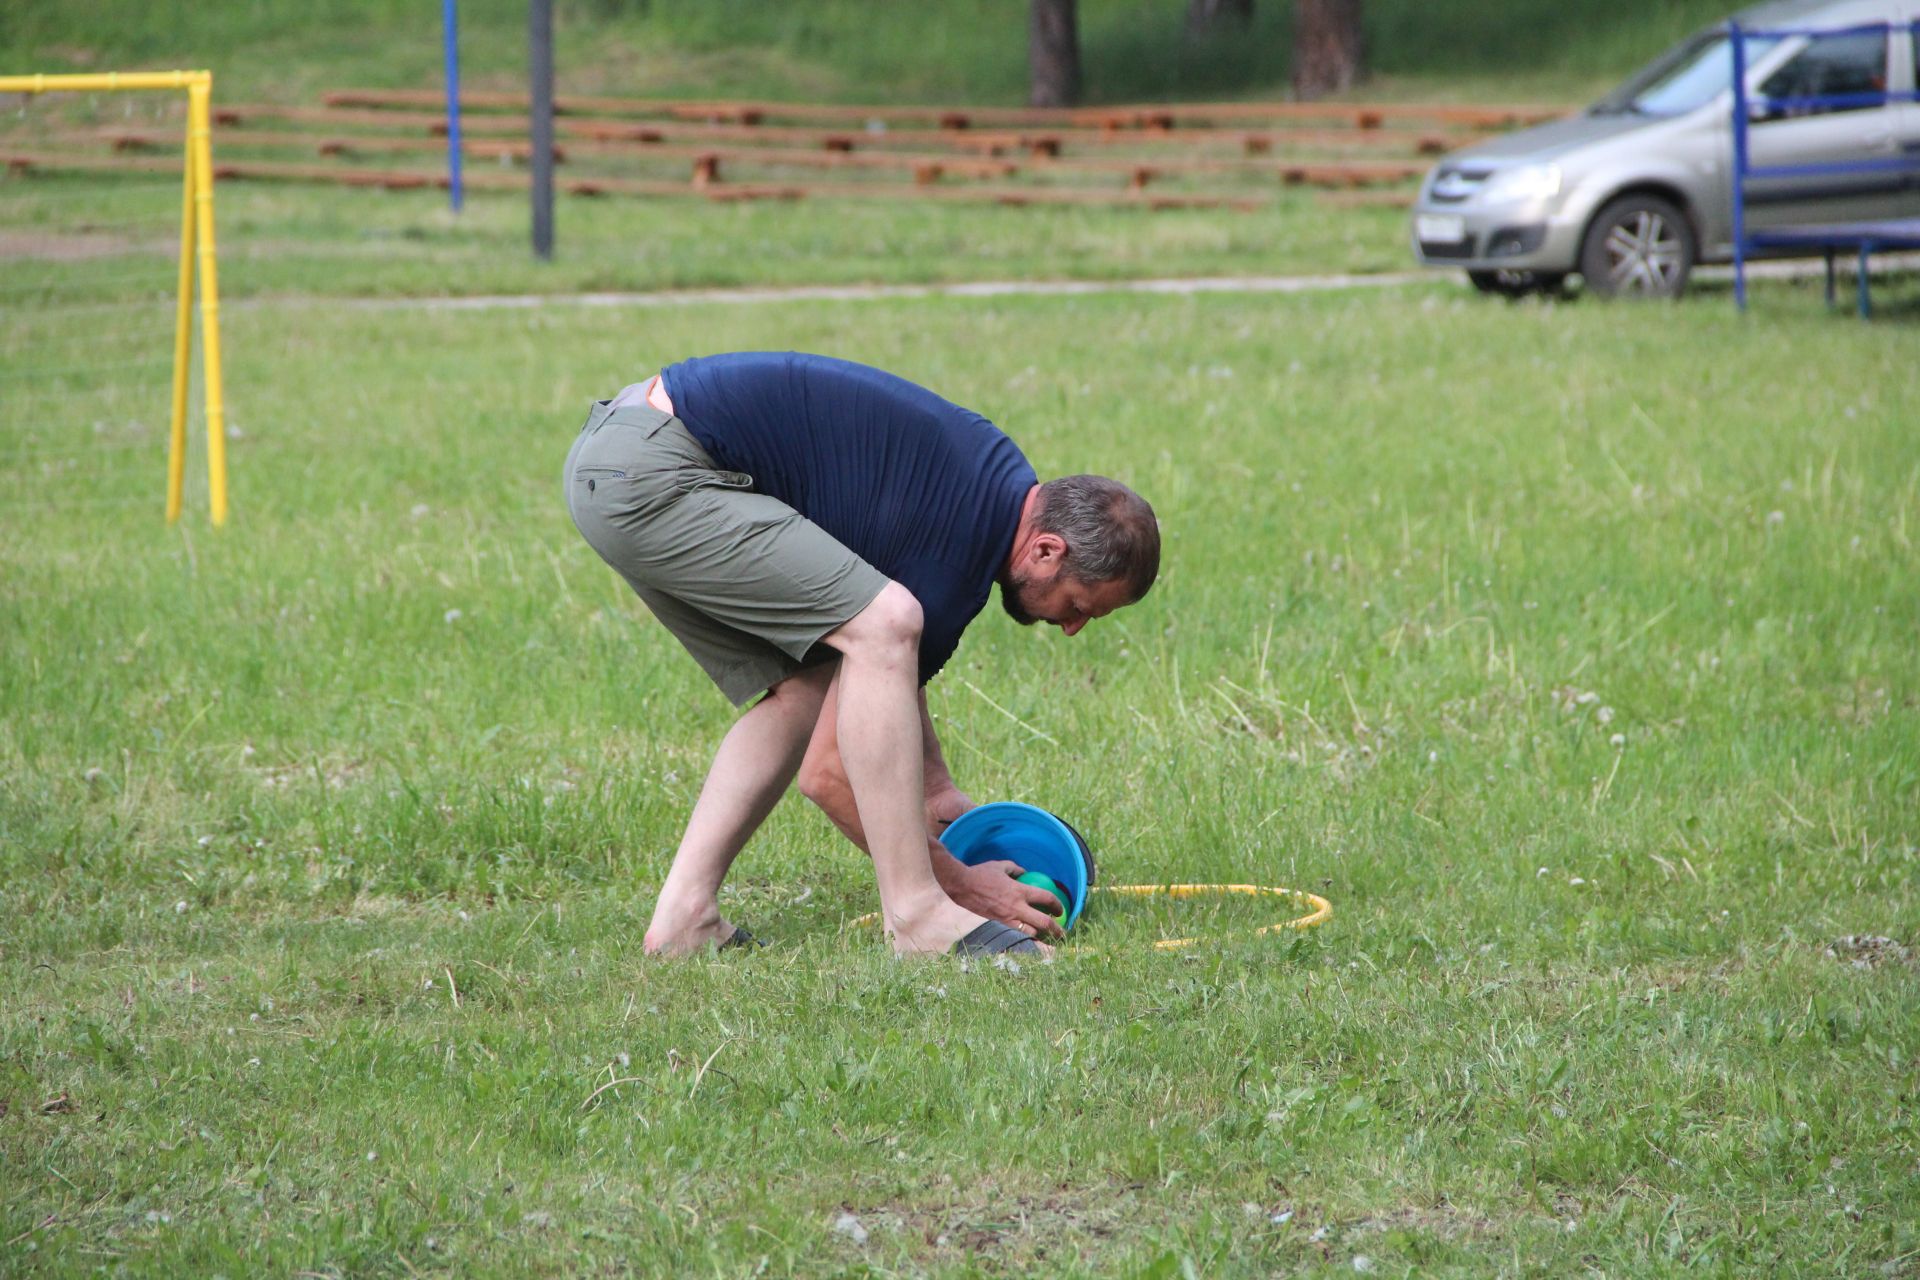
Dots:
pixel 1636 190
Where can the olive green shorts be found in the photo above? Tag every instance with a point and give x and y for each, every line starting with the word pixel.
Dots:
pixel 746 583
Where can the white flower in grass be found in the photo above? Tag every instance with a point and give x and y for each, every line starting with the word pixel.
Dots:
pixel 1618 740
pixel 420 511
pixel 1604 715
pixel 1776 518
pixel 180 908
pixel 451 616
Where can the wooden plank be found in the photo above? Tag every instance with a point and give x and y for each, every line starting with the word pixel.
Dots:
pixel 1126 116
pixel 400 179
pixel 1251 143
pixel 1365 199
pixel 926 168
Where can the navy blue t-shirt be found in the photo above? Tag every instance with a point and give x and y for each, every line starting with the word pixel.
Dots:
pixel 926 492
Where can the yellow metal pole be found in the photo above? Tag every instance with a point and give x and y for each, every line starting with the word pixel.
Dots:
pixel 98 82
pixel 199 95
pixel 182 337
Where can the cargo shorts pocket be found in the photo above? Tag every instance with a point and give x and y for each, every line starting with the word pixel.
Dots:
pixel 591 476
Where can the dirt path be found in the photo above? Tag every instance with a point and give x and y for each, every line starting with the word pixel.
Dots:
pixel 999 289
pixel 868 292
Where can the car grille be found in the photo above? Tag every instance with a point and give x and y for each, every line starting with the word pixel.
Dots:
pixel 1439 249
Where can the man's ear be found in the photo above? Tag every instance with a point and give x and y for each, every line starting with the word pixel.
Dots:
pixel 1047 548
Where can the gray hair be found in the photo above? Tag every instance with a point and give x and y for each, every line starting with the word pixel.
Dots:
pixel 1110 531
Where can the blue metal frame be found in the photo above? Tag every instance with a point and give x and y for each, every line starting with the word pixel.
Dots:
pixel 1866 237
pixel 450 26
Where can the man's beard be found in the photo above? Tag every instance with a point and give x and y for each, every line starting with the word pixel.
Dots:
pixel 1010 588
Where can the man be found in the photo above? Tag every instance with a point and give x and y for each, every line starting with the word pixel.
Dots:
pixel 822 532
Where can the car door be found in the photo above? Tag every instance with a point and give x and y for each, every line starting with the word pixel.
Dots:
pixel 1854 65
pixel 1906 129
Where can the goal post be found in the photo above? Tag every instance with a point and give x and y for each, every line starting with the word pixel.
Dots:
pixel 197 266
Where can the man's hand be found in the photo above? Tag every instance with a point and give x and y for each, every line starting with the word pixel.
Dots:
pixel 991 890
pixel 944 805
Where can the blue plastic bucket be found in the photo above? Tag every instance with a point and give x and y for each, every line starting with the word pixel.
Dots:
pixel 1031 837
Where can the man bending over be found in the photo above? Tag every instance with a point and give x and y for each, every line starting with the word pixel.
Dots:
pixel 822 532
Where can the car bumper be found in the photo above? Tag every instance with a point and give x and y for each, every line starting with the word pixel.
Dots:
pixel 1517 237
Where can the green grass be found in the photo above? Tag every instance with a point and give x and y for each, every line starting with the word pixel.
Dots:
pixel 85 238
pixel 269 796
pixel 843 50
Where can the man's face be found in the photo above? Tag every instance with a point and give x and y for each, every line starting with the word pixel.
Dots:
pixel 1059 599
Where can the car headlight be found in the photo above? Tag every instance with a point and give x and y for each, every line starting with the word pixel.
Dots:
pixel 1526 182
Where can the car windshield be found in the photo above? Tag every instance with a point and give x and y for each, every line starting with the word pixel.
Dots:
pixel 1686 76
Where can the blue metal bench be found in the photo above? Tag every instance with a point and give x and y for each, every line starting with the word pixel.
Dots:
pixel 1862 238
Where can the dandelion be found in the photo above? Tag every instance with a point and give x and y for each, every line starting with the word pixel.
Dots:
pixel 1618 740
pixel 180 908
pixel 451 616
pixel 1776 518
pixel 1604 715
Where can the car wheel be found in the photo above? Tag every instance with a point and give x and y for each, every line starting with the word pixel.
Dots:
pixel 1638 246
pixel 1518 284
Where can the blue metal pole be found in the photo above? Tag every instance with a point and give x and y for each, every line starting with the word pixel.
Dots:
pixel 450 14
pixel 1737 43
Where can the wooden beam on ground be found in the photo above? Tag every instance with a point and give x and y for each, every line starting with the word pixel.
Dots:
pixel 1365 199
pixel 400 179
pixel 707 161
pixel 980 142
pixel 1132 116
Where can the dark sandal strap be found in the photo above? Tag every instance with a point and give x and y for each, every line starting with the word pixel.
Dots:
pixel 741 938
pixel 992 938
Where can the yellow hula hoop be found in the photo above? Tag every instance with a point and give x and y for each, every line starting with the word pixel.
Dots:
pixel 1321 913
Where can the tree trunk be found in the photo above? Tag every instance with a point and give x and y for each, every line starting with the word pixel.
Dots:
pixel 1328 55
pixel 1208 17
pixel 1053 54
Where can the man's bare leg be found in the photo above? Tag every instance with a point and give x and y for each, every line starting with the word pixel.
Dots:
pixel 878 707
pixel 750 772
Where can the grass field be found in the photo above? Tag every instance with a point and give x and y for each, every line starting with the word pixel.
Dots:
pixel 1572 651
pixel 842 50
pixel 1569 650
